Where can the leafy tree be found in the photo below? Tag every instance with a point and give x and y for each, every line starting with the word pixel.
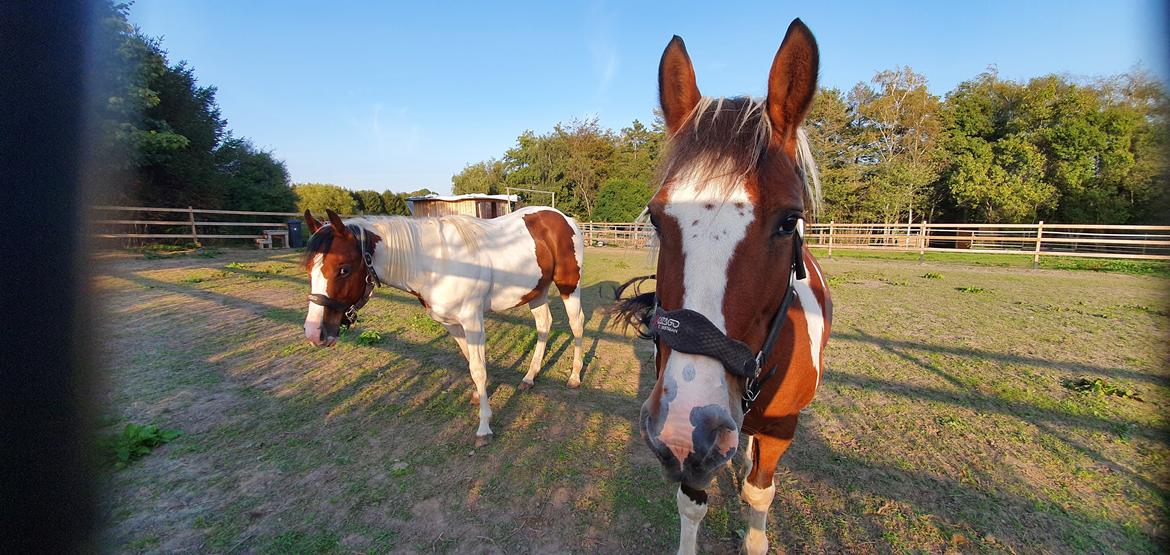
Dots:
pixel 124 66
pixel 370 202
pixel 484 177
pixel 834 141
pixel 319 196
pixel 160 133
pixel 253 179
pixel 621 200
pixel 395 204
pixel 636 151
pixel 1057 150
pixel 897 119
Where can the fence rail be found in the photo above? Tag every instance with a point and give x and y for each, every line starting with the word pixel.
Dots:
pixel 1146 242
pixel 197 226
pixel 1040 239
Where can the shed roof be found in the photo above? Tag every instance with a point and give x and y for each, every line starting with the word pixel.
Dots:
pixel 457 198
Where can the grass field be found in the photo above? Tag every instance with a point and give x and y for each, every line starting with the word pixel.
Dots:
pixel 949 419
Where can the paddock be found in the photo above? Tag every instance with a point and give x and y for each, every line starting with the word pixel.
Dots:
pixel 946 420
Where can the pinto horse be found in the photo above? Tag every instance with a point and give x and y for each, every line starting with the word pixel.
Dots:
pixel 741 313
pixel 457 267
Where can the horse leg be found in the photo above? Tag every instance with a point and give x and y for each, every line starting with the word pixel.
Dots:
pixel 692 507
pixel 456 332
pixel 758 489
pixel 577 323
pixel 543 318
pixel 477 363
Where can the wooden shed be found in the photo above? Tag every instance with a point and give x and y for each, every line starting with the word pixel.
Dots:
pixel 480 206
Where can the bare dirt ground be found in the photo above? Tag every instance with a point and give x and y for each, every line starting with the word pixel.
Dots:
pixel 943 423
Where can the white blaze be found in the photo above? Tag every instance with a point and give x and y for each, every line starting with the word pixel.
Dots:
pixel 712 222
pixel 319 285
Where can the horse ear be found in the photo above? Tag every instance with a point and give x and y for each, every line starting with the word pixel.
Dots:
pixel 312 222
pixel 792 83
pixel 339 228
pixel 677 92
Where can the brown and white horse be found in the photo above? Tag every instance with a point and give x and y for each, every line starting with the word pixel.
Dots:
pixel 736 184
pixel 457 267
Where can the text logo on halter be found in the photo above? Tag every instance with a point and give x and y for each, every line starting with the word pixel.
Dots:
pixel 667 324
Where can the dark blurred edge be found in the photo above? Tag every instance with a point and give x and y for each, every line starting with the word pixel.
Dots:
pixel 47 495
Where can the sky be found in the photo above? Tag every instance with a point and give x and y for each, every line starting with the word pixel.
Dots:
pixel 402 96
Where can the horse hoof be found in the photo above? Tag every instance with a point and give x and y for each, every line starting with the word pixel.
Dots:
pixel 574 383
pixel 475 398
pixel 481 441
pixel 525 386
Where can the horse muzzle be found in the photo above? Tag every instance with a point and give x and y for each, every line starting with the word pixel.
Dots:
pixel 692 458
pixel 319 336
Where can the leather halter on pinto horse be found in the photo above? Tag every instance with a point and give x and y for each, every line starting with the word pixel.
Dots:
pixel 458 267
pixel 687 331
pixel 737 178
pixel 349 311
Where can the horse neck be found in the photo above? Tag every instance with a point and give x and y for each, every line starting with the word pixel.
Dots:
pixel 396 259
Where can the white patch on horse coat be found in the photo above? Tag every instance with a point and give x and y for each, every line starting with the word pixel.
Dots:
pixel 814 315
pixel 707 250
pixel 318 284
pixel 690 515
pixel 760 500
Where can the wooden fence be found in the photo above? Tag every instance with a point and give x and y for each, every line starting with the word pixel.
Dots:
pixel 1147 242
pixel 134 223
pixel 1036 240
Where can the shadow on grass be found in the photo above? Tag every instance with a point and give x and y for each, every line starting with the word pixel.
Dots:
pixel 898 346
pixel 552 437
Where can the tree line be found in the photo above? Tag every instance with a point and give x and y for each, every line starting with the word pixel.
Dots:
pixel 992 150
pixel 319 196
pixel 159 136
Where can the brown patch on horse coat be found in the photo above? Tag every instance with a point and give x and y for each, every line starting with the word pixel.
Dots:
pixel 555 254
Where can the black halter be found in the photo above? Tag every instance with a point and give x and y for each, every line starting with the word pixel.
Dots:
pixel 687 331
pixel 349 312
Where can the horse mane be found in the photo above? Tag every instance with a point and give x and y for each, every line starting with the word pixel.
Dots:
pixel 468 227
pixel 723 140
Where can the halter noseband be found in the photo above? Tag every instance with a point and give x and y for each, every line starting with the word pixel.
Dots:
pixel 349 312
pixel 687 331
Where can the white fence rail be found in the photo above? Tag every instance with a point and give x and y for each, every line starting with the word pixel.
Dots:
pixel 1040 239
pixel 1146 242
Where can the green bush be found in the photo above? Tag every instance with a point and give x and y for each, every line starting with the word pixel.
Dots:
pixel 137 441
pixel 972 289
pixel 621 200
pixel 1098 386
pixel 369 337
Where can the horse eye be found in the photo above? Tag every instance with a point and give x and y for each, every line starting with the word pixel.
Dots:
pixel 789 225
pixel 344 271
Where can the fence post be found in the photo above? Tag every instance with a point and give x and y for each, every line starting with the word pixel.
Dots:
pixel 1039 237
pixel 922 243
pixel 831 222
pixel 194 232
